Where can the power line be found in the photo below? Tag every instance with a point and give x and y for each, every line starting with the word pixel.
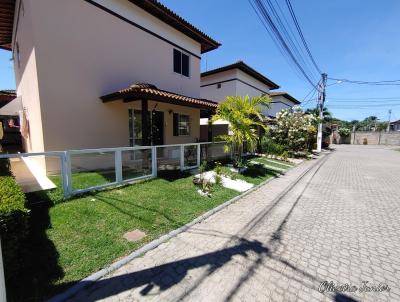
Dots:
pixel 278 36
pixel 364 101
pixel 376 83
pixel 277 44
pixel 367 98
pixel 289 5
pixel 362 106
pixel 312 89
pixel 293 35
pixel 311 98
pixel 285 33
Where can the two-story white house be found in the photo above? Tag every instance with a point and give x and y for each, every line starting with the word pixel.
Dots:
pixel 280 100
pixel 239 79
pixel 105 73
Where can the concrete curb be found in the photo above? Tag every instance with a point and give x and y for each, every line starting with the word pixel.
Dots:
pixel 153 244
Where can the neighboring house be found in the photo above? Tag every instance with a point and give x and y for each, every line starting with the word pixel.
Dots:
pixel 234 79
pixel 239 79
pixel 281 100
pixel 97 73
pixel 395 126
pixel 6 96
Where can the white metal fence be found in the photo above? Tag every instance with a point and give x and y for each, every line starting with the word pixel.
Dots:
pixel 109 167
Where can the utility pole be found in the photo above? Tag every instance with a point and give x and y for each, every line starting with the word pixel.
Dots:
pixel 321 101
pixel 388 125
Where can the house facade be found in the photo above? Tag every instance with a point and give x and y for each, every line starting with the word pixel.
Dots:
pixel 281 100
pixel 395 126
pixel 239 79
pixel 97 73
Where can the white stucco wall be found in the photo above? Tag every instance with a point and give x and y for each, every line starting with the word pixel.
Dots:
pixel 278 103
pixel 239 83
pixel 82 53
pixel 209 86
pixel 26 76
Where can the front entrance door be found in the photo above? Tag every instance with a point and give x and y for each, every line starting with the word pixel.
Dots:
pixel 156 121
pixel 157 128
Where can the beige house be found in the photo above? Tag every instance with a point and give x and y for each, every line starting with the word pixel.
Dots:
pixel 105 73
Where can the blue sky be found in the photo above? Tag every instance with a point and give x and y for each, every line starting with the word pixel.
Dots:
pixel 349 39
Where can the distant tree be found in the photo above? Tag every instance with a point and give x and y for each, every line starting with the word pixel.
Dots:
pixel 325 113
pixel 344 132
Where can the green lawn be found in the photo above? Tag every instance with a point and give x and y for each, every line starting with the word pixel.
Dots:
pixel 72 239
pixel 273 163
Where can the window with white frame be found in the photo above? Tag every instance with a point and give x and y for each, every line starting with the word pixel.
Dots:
pixel 181 63
pixel 181 124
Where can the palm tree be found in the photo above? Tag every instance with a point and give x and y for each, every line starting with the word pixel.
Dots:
pixel 327 116
pixel 244 116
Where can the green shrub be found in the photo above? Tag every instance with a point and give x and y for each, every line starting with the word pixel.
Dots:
pixel 268 146
pixel 13 222
pixel 344 132
pixel 4 168
pixel 285 156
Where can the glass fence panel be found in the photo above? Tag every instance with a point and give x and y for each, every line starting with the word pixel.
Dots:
pixel 214 151
pixel 136 163
pixel 92 169
pixel 168 158
pixel 190 156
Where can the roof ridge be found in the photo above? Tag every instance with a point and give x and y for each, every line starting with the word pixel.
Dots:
pixel 241 65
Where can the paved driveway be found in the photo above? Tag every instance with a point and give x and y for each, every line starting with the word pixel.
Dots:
pixel 336 219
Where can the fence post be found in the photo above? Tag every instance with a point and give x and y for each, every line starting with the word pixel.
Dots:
pixel 198 155
pixel 154 161
pixel 118 166
pixel 182 157
pixel 3 297
pixel 64 174
pixel 68 173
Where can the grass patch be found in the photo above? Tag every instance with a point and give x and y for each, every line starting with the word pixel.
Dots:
pixel 272 163
pixel 70 240
pixel 255 174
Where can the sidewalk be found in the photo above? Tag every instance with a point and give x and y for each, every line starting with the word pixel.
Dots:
pixel 338 223
pixel 196 263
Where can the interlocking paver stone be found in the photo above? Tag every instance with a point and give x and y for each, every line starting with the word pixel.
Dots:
pixel 340 222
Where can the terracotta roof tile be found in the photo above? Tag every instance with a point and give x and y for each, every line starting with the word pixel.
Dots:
pixel 144 90
pixel 6 23
pixel 163 13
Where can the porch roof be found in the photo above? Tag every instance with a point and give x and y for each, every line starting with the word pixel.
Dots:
pixel 147 91
pixel 6 23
